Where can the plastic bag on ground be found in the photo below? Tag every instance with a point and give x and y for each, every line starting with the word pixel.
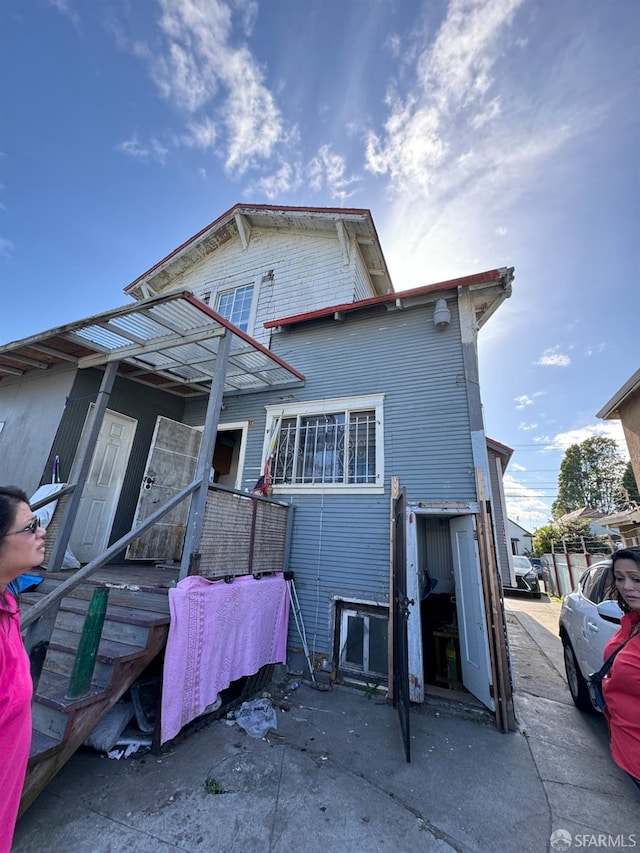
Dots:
pixel 257 717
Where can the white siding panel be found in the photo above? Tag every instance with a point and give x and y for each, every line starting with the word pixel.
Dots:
pixel 308 273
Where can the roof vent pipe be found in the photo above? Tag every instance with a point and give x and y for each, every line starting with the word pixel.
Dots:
pixel 441 314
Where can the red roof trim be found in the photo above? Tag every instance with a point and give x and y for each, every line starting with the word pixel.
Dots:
pixel 342 211
pixel 452 284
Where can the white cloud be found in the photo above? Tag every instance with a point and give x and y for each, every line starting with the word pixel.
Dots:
pixel 515 466
pixel 134 148
pixel 64 7
pixel 595 349
pixel 201 134
pixel 6 247
pixel 198 66
pixel 501 231
pixel 524 505
pixel 552 357
pixel 527 427
pixel 327 170
pixel 465 142
pixel 285 179
pixel 562 440
pixel 522 401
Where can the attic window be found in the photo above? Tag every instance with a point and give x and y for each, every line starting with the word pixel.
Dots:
pixel 235 305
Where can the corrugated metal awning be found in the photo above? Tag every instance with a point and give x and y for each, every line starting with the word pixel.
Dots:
pixel 169 342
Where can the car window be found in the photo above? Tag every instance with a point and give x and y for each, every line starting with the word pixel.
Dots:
pixel 596 584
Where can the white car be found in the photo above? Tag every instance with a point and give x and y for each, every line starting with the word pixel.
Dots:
pixel 588 620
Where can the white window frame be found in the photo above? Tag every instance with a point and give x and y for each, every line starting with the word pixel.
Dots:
pixel 346 666
pixel 330 406
pixel 224 291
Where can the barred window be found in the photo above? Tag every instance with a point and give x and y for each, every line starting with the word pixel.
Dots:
pixel 329 448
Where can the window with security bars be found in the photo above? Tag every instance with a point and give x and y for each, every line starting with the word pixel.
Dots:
pixel 235 305
pixel 336 448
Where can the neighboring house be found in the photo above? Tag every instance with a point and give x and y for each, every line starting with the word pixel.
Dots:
pixel 625 407
pixel 499 457
pixel 346 384
pixel 521 539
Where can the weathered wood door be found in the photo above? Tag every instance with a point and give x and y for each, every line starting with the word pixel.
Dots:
pixel 171 465
pixel 97 508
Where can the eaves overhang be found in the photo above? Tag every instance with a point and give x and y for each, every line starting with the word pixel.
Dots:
pixel 351 226
pixel 611 410
pixel 168 342
pixel 489 289
pixel 501 450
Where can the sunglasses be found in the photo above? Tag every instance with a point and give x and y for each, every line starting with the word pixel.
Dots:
pixel 30 528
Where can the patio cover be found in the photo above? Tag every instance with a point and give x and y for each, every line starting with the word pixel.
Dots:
pixel 168 342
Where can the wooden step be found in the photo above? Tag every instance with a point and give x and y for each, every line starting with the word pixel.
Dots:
pixel 115 612
pixel 48 721
pixel 108 651
pixel 42 745
pixel 122 624
pixel 153 601
pixel 52 690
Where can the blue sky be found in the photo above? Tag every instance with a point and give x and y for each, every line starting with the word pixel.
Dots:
pixel 480 133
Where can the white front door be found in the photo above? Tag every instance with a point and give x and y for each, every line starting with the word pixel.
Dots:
pixel 472 622
pixel 97 508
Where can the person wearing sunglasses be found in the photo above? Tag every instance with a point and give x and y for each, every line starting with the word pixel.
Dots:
pixel 21 548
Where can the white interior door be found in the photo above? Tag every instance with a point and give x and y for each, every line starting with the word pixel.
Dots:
pixel 171 465
pixel 472 622
pixel 97 508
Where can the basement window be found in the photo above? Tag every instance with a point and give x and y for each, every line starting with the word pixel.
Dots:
pixel 363 639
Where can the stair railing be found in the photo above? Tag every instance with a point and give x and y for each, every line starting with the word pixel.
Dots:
pixel 38 621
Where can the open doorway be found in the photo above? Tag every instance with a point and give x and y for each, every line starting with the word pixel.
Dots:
pixel 448 644
pixel 227 455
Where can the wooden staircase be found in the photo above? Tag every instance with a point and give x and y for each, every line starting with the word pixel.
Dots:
pixel 135 630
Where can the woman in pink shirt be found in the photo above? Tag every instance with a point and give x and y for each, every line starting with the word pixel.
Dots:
pixel 621 687
pixel 21 548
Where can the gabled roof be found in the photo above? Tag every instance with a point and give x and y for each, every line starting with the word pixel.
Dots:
pixel 611 409
pixel 501 450
pixel 489 289
pixel 520 527
pixel 241 219
pixel 169 342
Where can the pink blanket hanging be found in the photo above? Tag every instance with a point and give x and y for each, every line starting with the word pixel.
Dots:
pixel 219 632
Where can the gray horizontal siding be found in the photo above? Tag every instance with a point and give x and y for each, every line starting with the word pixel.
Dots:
pixel 340 543
pixel 131 399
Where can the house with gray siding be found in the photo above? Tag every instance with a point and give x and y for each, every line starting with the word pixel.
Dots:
pixel 384 391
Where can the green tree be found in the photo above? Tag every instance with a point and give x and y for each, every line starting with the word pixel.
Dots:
pixel 574 536
pixel 590 476
pixel 630 486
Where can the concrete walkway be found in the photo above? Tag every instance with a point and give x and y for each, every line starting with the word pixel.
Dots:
pixel 333 777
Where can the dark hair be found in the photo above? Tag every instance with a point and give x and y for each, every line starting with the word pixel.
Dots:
pixel 10 497
pixel 622 554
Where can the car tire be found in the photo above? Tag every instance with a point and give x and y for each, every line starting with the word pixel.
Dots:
pixel 575 680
